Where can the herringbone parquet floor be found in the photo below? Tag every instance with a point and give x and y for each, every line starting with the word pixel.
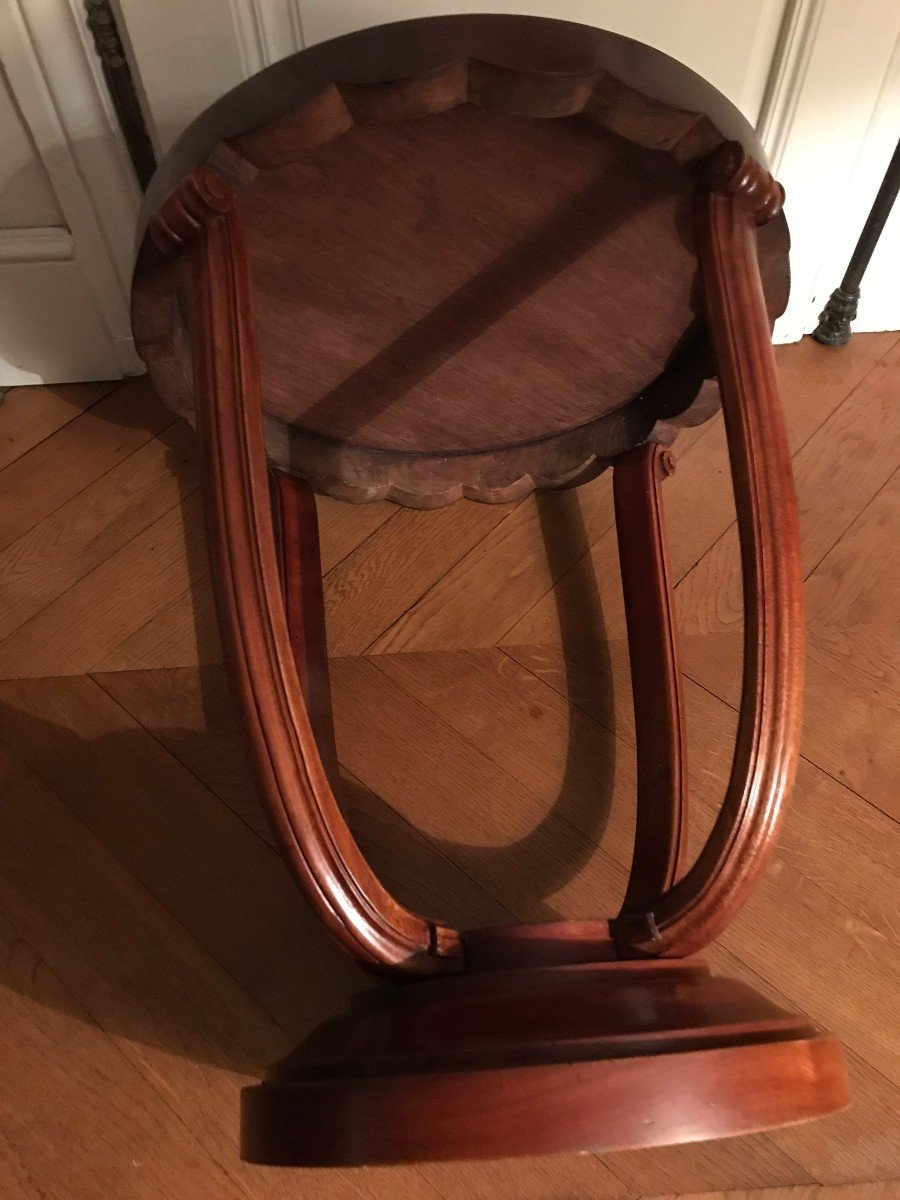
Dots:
pixel 155 953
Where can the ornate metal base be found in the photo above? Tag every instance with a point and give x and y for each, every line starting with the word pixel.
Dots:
pixel 835 318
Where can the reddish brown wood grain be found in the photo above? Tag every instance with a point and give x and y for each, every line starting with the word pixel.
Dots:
pixel 732 197
pixel 294 782
pixel 661 824
pixel 297 534
pixel 597 1057
pixel 684 917
pixel 519 1037
pixel 450 226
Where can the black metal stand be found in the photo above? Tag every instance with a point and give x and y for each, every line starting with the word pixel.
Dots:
pixel 834 320
pixel 117 73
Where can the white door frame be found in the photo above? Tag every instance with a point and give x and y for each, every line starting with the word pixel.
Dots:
pixel 828 117
pixel 829 121
pixel 57 83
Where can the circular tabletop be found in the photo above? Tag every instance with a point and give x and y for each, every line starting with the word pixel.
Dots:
pixel 471 247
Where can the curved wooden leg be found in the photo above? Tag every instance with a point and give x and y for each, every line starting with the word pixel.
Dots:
pixel 552 1057
pixel 297 531
pixel 202 218
pixel 735 195
pixel 661 823
pixel 273 669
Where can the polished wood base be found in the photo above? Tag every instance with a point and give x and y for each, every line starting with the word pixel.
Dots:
pixel 594 1057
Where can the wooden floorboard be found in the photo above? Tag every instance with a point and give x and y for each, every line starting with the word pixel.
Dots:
pixel 28 415
pixel 155 952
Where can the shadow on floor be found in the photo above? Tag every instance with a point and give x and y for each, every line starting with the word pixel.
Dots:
pixel 177 809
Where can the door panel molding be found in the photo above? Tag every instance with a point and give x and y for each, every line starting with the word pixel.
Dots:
pixel 56 82
pixel 828 122
pixel 267 30
pixel 787 76
pixel 41 244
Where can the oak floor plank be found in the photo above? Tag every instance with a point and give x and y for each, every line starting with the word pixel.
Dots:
pixel 853 717
pixel 536 864
pixel 831 835
pixel 343 527
pixel 80 452
pixel 888 1190
pixel 697 506
pixel 171 1011
pixel 488 590
pixel 73 633
pixel 476 601
pixel 845 470
pixel 851 725
pixel 838 471
pixel 123 1139
pixel 525 725
pixel 181 632
pixel 375 584
pixel 184 633
pixel 91 527
pixel 564 758
pixel 850 583
pixel 697 499
pixel 504 591
pixel 851 599
pixel 181 842
pixel 191 713
pixel 30 414
pixel 859 653
pixel 852 701
pixel 553 1177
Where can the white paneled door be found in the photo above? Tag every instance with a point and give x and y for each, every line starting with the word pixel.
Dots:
pixel 821 78
pixel 68 203
pixel 189 56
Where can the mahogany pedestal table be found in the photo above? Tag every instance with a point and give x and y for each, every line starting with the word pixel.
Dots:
pixel 464 258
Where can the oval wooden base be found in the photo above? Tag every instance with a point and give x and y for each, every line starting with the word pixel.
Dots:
pixel 595 1057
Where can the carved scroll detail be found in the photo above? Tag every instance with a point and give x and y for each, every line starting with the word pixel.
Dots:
pixel 728 171
pixel 181 220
